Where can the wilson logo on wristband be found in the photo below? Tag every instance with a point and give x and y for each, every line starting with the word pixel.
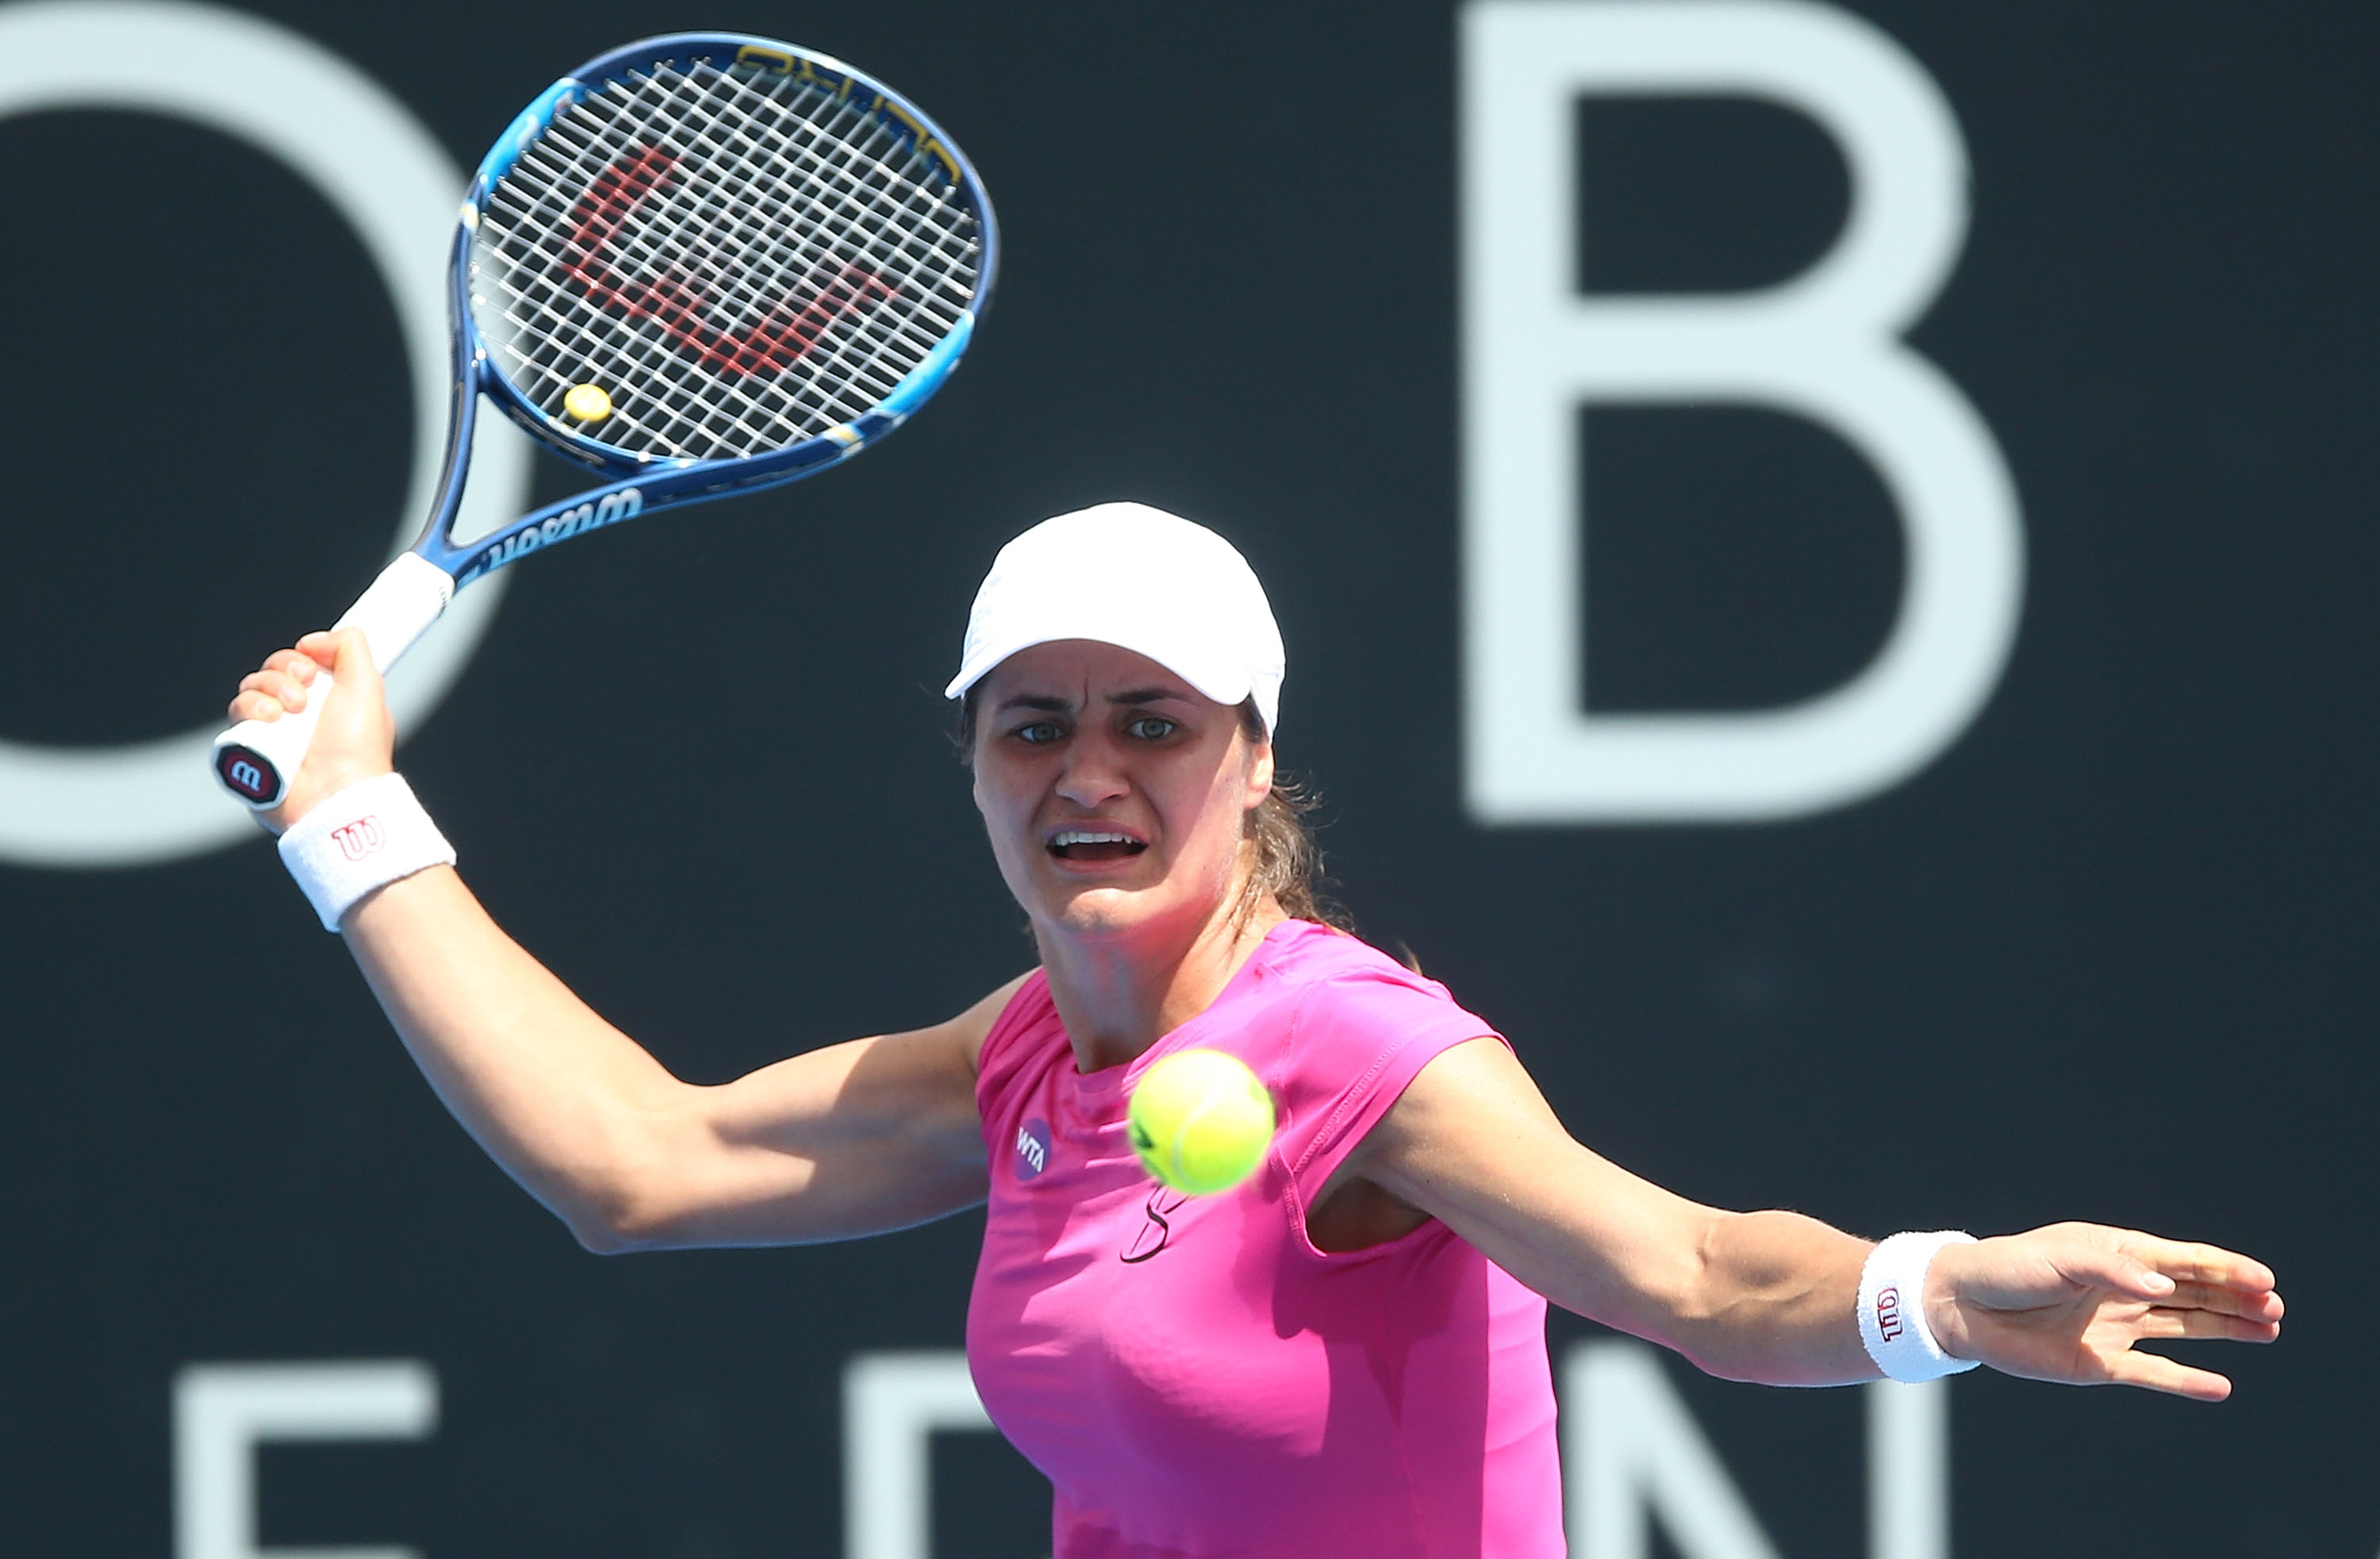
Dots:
pixel 1888 1313
pixel 360 837
pixel 1891 1312
pixel 358 841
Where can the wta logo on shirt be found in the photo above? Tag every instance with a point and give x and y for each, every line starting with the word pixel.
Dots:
pixel 1032 1147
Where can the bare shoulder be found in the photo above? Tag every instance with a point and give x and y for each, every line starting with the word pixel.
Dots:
pixel 961 1036
pixel 971 1028
pixel 1471 1098
pixel 1479 1076
pixel 919 1081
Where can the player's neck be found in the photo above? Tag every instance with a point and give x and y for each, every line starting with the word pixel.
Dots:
pixel 1118 995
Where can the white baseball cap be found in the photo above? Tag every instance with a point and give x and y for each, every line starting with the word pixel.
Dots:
pixel 1141 580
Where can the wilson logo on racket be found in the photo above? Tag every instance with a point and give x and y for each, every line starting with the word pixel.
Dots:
pixel 786 327
pixel 362 837
pixel 610 509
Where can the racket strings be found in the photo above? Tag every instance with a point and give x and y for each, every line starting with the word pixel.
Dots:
pixel 853 133
pixel 716 398
pixel 562 353
pixel 740 263
pixel 857 132
pixel 844 159
pixel 914 244
pixel 712 215
pixel 709 211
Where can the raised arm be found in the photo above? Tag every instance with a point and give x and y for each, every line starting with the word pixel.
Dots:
pixel 1773 1297
pixel 854 1138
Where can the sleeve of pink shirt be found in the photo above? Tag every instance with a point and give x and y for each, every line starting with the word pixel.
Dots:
pixel 1359 1038
pixel 998 1062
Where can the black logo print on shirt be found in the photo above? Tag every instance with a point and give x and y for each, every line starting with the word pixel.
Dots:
pixel 1157 1231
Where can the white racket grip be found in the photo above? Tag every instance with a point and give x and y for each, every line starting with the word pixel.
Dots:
pixel 256 759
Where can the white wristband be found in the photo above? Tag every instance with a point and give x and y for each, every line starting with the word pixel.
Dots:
pixel 362 838
pixel 1892 1309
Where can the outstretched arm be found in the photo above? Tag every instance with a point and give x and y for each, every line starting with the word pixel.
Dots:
pixel 1772 1297
pixel 854 1139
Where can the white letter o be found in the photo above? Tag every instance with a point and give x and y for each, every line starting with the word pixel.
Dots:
pixel 387 176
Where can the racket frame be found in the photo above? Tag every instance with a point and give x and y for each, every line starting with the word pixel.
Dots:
pixel 661 482
pixel 255 760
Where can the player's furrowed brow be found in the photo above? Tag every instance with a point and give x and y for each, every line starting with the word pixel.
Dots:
pixel 1147 695
pixel 1042 702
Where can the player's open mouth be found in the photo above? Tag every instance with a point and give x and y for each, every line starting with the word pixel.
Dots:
pixel 1093 843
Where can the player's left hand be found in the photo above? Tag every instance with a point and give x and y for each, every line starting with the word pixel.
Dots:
pixel 2069 1303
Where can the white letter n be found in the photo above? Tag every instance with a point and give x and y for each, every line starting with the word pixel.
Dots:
pixel 1632 1451
pixel 1823 345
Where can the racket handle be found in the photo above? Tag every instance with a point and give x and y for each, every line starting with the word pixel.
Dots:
pixel 256 759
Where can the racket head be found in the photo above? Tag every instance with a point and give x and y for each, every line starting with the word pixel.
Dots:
pixel 763 259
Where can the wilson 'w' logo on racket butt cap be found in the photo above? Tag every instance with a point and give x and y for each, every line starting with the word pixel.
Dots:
pixel 246 774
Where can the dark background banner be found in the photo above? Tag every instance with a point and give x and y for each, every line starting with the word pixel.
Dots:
pixel 2117 941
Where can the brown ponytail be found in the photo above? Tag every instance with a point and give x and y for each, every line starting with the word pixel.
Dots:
pixel 1288 865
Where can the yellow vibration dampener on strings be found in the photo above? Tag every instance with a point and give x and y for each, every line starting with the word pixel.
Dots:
pixel 588 403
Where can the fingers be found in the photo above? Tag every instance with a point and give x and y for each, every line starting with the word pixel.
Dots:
pixel 2208 1264
pixel 2263 1306
pixel 278 687
pixel 347 656
pixel 329 645
pixel 2162 1323
pixel 2188 1261
pixel 2159 1374
pixel 2097 1266
pixel 281 686
pixel 2147 1267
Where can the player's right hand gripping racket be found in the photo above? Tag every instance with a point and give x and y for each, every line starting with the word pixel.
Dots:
pixel 700 264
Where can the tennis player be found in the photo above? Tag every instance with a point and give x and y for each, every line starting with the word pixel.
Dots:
pixel 1346 1354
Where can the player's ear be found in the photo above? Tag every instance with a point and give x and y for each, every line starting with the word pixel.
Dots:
pixel 1260 782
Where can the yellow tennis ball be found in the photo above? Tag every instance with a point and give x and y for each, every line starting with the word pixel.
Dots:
pixel 588 403
pixel 1200 1121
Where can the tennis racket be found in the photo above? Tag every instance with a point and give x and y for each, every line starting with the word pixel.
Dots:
pixel 701 264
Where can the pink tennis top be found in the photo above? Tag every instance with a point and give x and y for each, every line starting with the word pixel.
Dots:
pixel 1195 1379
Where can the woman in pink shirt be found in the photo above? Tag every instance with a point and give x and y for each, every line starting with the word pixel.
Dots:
pixel 1345 1354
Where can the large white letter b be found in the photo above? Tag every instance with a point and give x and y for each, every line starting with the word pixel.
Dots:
pixel 1823 345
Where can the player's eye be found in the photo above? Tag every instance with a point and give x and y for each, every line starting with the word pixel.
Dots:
pixel 1040 733
pixel 1151 727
